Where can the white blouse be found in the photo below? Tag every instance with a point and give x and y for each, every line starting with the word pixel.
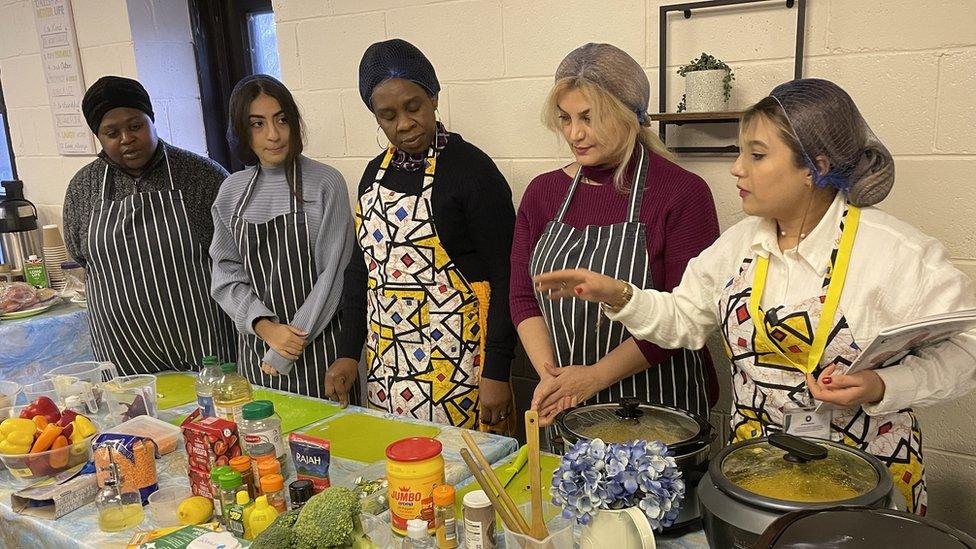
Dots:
pixel 896 274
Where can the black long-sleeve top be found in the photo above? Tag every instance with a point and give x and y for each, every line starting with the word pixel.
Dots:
pixel 474 217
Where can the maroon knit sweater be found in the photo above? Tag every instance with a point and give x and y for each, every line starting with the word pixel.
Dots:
pixel 677 210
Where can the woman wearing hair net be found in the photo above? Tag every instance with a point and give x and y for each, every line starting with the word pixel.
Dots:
pixel 623 209
pixel 808 280
pixel 434 225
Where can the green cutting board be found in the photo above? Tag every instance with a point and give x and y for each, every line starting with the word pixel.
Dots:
pixel 296 411
pixel 518 488
pixel 174 390
pixel 364 438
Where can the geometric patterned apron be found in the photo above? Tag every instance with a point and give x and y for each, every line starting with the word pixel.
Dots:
pixel 427 324
pixel 763 381
pixel 149 284
pixel 277 258
pixel 579 335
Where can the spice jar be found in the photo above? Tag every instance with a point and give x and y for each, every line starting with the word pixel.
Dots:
pixel 479 521
pixel 300 491
pixel 273 487
pixel 444 519
pixel 258 452
pixel 267 466
pixel 215 475
pixel 230 484
pixel 242 464
pixel 260 424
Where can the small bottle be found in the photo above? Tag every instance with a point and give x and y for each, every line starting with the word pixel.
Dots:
pixel 208 377
pixel 444 519
pixel 231 393
pixel 300 491
pixel 262 515
pixel 260 452
pixel 479 521
pixel 215 475
pixel 266 467
pixel 239 514
pixel 417 536
pixel 118 509
pixel 260 424
pixel 230 484
pixel 273 488
pixel 242 464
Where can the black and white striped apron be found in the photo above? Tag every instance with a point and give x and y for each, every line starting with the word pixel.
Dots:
pixel 148 284
pixel 619 251
pixel 277 257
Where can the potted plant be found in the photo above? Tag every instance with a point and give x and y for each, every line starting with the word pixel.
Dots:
pixel 708 85
pixel 595 481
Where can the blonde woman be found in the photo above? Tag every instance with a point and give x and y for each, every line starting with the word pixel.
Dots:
pixel 622 209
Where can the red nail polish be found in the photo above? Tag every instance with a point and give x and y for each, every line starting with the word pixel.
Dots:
pixel 579 291
pixel 827 380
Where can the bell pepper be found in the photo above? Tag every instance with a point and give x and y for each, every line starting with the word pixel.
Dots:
pixel 41 422
pixel 59 459
pixel 15 424
pixel 83 429
pixel 68 430
pixel 67 417
pixel 46 438
pixel 42 406
pixel 17 442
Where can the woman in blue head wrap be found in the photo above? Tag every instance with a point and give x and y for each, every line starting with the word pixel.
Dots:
pixel 434 224
pixel 805 283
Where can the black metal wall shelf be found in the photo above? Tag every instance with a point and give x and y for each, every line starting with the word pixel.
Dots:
pixel 665 118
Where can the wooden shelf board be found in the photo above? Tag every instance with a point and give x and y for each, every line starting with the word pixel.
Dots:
pixel 699 117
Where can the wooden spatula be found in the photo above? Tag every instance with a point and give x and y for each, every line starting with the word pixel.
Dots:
pixel 538 526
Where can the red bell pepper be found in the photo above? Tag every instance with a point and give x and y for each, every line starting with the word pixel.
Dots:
pixel 67 417
pixel 42 406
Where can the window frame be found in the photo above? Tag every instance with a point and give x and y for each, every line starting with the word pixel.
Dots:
pixel 6 129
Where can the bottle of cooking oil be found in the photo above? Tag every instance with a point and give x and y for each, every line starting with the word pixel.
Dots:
pixel 231 393
pixel 118 509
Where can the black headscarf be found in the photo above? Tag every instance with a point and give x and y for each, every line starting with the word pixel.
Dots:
pixel 110 92
pixel 395 59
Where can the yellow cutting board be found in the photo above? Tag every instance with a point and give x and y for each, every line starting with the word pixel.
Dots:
pixel 364 438
pixel 518 488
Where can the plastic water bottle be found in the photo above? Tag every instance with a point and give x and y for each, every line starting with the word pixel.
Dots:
pixel 208 377
pixel 417 536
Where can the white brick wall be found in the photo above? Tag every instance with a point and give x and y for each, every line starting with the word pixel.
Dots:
pixel 908 64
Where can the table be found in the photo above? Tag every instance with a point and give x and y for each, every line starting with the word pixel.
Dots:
pixel 32 346
pixel 79 528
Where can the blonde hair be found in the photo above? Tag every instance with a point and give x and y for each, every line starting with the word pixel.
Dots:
pixel 614 125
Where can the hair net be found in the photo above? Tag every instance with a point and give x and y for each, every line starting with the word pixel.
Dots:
pixel 610 68
pixel 395 58
pixel 827 124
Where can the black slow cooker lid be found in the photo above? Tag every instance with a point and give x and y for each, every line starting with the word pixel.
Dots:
pixel 630 419
pixel 860 527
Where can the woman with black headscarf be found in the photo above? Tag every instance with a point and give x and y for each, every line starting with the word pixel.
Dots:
pixel 434 224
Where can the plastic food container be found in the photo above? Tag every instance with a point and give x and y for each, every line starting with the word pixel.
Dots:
pixel 131 396
pixel 79 385
pixel 26 469
pixel 8 394
pixel 560 530
pixel 43 388
pixel 414 466
pixel 165 436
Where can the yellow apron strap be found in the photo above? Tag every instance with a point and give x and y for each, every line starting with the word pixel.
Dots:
pixel 387 158
pixel 834 290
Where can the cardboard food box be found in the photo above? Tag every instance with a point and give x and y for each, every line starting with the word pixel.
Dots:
pixel 210 442
pixel 53 501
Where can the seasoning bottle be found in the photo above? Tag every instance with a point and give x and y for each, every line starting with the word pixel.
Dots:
pixel 479 521
pixel 273 488
pixel 300 491
pixel 444 522
pixel 261 516
pixel 239 514
pixel 266 467
pixel 260 452
pixel 260 424
pixel 417 535
pixel 215 475
pixel 242 464
pixel 230 484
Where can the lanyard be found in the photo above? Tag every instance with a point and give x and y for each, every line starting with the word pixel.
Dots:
pixel 837 274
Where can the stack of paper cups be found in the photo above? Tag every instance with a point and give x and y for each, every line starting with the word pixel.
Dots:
pixel 54 254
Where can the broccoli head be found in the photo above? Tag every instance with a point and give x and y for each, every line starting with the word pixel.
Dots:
pixel 279 535
pixel 328 519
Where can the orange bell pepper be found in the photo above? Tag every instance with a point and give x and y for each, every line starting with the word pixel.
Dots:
pixel 59 459
pixel 46 439
pixel 41 422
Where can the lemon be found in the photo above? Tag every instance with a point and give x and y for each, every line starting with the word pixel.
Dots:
pixel 195 510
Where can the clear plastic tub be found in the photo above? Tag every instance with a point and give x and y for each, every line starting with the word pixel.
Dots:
pixel 8 393
pixel 43 388
pixel 166 436
pixel 131 396
pixel 26 469
pixel 560 530
pixel 164 504
pixel 79 385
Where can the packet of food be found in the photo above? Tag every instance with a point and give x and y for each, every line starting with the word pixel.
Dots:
pixel 311 456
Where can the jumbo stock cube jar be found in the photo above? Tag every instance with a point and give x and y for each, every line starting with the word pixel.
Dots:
pixel 414 467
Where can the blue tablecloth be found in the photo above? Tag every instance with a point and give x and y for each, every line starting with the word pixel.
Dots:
pixel 32 346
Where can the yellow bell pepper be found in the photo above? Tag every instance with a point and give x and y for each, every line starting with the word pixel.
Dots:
pixel 18 442
pixel 16 424
pixel 83 429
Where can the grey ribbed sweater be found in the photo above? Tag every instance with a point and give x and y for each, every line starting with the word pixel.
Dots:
pixel 330 228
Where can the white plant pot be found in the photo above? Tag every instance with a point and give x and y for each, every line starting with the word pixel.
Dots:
pixel 704 91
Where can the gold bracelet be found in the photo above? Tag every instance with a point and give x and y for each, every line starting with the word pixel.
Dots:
pixel 626 294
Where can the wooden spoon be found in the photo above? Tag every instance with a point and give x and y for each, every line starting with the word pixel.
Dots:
pixel 538 527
